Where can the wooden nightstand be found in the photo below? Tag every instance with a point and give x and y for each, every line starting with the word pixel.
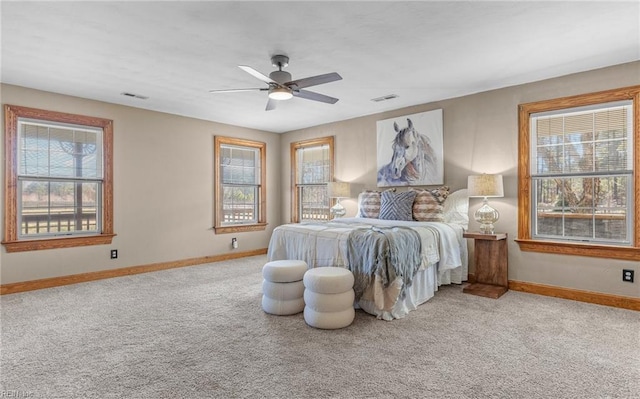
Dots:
pixel 491 265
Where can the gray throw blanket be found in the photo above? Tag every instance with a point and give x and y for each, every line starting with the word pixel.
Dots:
pixel 385 252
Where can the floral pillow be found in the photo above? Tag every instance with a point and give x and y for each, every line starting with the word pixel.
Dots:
pixel 428 205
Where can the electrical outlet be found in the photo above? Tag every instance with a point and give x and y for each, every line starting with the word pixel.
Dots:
pixel 627 275
pixel 114 254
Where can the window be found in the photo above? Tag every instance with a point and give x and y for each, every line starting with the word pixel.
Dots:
pixel 578 175
pixel 312 166
pixel 59 180
pixel 240 185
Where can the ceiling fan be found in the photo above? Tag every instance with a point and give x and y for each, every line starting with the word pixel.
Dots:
pixel 281 87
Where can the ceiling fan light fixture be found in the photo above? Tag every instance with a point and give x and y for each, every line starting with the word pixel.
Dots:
pixel 281 87
pixel 280 93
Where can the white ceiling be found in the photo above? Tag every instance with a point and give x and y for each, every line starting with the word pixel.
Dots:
pixel 175 52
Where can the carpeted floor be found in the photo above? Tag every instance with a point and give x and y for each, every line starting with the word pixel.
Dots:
pixel 199 332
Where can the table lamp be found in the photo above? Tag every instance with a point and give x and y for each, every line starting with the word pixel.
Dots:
pixel 486 186
pixel 338 190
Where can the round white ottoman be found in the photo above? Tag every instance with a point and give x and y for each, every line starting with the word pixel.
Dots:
pixel 282 287
pixel 328 297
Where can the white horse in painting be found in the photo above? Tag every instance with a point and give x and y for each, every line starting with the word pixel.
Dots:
pixel 413 160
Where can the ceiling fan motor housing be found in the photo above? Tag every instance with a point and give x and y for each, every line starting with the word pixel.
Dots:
pixel 280 92
pixel 281 77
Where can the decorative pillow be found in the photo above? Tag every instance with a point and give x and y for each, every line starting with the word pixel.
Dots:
pixel 397 206
pixel 456 208
pixel 369 204
pixel 428 205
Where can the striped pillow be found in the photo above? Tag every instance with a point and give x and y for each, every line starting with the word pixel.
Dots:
pixel 396 206
pixel 429 204
pixel 369 204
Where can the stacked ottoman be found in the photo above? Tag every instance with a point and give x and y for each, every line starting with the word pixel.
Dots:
pixel 282 287
pixel 328 297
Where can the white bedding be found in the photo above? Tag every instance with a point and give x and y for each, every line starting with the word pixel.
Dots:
pixel 444 258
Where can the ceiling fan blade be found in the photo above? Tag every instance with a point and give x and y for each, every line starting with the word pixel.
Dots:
pixel 238 90
pixel 271 104
pixel 311 95
pixel 314 80
pixel 257 74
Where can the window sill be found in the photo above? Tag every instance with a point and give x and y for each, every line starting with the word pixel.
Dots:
pixel 53 243
pixel 591 250
pixel 239 228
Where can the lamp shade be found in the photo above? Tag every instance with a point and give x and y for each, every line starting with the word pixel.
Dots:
pixel 339 190
pixel 485 186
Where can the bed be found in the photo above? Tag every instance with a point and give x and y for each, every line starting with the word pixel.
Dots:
pixel 398 264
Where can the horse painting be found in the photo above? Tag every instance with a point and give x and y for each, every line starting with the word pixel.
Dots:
pixel 413 161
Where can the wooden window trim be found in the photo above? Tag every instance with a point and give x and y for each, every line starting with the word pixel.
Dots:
pixel 295 146
pixel 524 239
pixel 11 241
pixel 262 202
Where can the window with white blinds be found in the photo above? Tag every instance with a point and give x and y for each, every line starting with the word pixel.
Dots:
pixel 313 169
pixel 582 174
pixel 60 179
pixel 240 186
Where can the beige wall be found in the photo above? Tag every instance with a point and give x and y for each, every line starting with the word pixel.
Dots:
pixel 480 136
pixel 163 191
pixel 163 180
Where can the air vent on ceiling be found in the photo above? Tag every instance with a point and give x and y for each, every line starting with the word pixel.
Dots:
pixel 138 96
pixel 384 98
